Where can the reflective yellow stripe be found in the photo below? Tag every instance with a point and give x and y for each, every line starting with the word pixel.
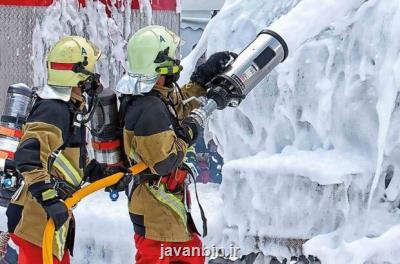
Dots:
pixel 49 194
pixel 60 238
pixel 170 200
pixel 71 175
pixel 48 236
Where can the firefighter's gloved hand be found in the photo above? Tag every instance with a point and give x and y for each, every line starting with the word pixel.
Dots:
pixel 58 211
pixel 116 169
pixel 121 185
pixel 190 130
pixel 47 197
pixel 215 64
pixel 94 171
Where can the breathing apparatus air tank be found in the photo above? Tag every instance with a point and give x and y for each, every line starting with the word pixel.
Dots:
pixel 105 130
pixel 16 110
pixel 14 115
pixel 106 140
pixel 243 73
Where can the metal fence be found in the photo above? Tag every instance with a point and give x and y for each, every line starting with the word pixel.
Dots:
pixel 16 28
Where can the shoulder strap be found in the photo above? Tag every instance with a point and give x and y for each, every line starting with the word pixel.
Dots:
pixel 171 109
pixel 124 100
pixel 72 131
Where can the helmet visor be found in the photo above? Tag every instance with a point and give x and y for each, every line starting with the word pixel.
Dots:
pixel 136 83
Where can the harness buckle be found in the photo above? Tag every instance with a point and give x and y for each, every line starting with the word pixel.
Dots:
pixel 18 192
pixel 157 186
pixel 187 197
pixel 55 153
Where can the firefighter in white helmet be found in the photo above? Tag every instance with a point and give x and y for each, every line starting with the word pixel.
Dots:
pixel 51 155
pixel 156 132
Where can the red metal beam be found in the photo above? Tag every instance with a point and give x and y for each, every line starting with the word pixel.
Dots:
pixel 26 2
pixel 156 4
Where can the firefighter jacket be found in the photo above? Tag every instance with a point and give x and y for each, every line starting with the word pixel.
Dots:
pixel 150 126
pixel 49 128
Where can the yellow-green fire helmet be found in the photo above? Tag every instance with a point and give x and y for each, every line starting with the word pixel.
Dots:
pixel 65 56
pixel 145 46
pixel 151 53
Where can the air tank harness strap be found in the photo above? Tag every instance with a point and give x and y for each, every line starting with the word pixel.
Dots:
pixel 60 161
pixel 64 189
pixel 144 176
pixel 176 180
pixel 73 130
pixel 202 214
pixel 77 127
pixel 158 187
pixel 170 200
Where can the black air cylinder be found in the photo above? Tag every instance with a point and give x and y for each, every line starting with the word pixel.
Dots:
pixel 15 112
pixel 106 140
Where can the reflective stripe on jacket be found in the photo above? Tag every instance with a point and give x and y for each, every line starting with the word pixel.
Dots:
pixel 70 173
pixel 48 127
pixel 150 137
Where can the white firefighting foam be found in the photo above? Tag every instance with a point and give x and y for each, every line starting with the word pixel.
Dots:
pixel 109 34
pixel 311 145
pixel 302 150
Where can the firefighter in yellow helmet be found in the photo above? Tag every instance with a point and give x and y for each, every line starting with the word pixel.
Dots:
pixel 156 132
pixel 51 155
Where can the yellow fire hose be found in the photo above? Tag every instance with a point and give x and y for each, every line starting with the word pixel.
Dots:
pixel 47 244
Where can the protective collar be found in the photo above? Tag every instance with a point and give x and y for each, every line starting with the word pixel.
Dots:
pixel 55 92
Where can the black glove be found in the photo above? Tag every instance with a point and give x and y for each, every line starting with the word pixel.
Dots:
pixel 215 65
pixel 9 165
pixel 58 211
pixel 47 197
pixel 121 185
pixel 94 171
pixel 190 130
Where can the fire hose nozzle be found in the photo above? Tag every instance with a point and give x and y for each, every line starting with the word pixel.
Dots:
pixel 243 73
pixel 202 114
pixel 248 69
pixel 280 40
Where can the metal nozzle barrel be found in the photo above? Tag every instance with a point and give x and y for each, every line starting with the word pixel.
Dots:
pixel 246 71
pixel 255 62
